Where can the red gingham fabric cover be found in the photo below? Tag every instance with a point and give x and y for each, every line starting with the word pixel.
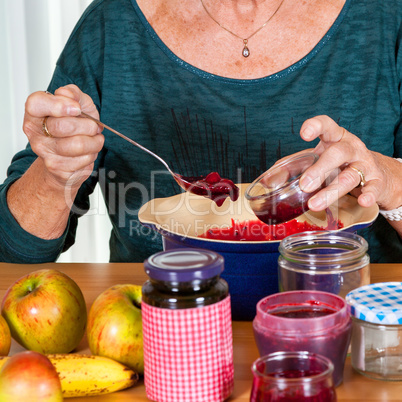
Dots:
pixel 188 353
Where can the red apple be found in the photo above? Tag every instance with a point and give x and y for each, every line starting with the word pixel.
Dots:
pixel 29 376
pixel 115 326
pixel 5 337
pixel 46 312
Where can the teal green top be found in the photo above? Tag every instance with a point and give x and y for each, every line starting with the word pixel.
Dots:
pixel 200 122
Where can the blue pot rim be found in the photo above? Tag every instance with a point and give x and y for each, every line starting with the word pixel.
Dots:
pixel 233 246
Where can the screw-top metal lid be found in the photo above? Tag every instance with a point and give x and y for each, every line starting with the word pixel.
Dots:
pixel 184 265
pixel 378 303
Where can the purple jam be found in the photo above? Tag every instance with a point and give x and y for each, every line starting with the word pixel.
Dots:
pixel 292 376
pixel 293 373
pixel 212 186
pixel 302 328
pixel 280 208
pixel 292 394
pixel 303 312
pixel 282 212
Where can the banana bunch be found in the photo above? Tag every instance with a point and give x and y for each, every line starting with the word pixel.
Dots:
pixel 87 375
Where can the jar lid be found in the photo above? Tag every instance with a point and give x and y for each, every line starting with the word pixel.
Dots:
pixel 183 265
pixel 378 303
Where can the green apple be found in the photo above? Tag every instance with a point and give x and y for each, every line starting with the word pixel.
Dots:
pixel 46 312
pixel 115 326
pixel 5 337
pixel 29 376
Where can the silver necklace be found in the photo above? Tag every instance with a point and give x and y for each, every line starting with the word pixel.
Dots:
pixel 246 50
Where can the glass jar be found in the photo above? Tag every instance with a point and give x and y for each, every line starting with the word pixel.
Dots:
pixel 184 279
pixel 335 262
pixel 187 328
pixel 312 321
pixel 377 330
pixel 275 196
pixel 292 376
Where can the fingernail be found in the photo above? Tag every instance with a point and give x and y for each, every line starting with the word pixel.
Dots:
pixel 316 203
pixel 365 200
pixel 73 110
pixel 307 184
pixel 308 132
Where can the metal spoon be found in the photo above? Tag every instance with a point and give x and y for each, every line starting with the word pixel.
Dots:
pixel 181 181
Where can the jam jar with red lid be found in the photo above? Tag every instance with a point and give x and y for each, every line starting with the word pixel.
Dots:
pixel 313 321
pixel 187 330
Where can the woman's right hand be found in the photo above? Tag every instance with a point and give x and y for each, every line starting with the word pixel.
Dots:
pixel 68 155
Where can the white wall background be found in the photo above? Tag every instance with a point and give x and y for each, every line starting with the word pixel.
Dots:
pixel 32 35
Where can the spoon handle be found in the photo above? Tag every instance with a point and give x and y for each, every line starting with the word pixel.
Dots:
pixel 127 139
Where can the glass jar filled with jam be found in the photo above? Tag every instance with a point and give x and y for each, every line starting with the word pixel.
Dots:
pixel 275 196
pixel 292 376
pixel 184 279
pixel 313 321
pixel 187 328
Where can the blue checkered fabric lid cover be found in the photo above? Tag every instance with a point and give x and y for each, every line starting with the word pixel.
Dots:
pixel 378 303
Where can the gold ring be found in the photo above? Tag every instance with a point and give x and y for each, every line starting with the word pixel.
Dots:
pixel 44 128
pixel 361 174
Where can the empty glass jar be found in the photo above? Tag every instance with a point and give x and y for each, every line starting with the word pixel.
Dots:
pixel 335 262
pixel 377 330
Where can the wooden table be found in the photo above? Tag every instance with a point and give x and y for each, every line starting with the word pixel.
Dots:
pixel 94 278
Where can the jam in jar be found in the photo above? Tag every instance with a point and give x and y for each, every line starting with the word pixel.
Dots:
pixel 187 330
pixel 312 321
pixel 184 279
pixel 292 376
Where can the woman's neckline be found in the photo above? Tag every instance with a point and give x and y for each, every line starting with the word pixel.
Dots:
pixel 239 81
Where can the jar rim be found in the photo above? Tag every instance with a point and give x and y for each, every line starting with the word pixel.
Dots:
pixel 337 268
pixel 290 326
pixel 301 248
pixel 274 169
pixel 282 355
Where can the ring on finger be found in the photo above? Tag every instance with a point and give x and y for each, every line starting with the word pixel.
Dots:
pixel 45 129
pixel 361 174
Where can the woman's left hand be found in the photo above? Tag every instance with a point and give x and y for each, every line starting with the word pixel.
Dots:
pixel 380 175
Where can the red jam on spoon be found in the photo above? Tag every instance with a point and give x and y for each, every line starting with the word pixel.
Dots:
pixel 212 186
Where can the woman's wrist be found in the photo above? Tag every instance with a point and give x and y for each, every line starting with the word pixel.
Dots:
pixel 41 209
pixel 394 214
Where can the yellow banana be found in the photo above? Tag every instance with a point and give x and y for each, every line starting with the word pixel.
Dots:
pixel 87 375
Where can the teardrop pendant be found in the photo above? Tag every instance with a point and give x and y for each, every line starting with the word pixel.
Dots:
pixel 246 51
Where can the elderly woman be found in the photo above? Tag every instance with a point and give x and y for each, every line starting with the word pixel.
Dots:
pixel 230 86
